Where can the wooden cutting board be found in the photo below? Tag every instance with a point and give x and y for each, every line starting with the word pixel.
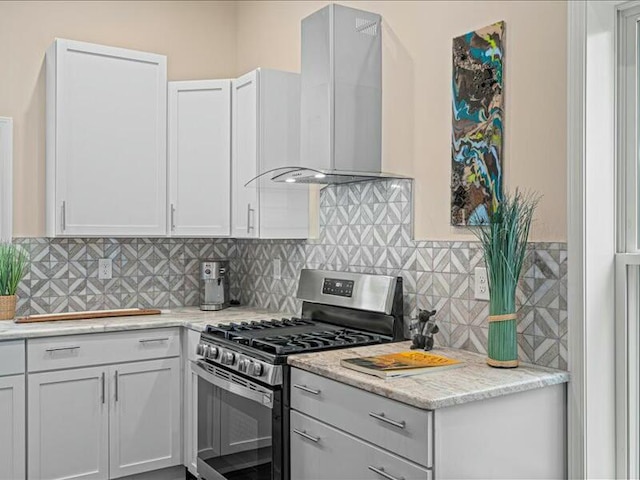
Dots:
pixel 87 315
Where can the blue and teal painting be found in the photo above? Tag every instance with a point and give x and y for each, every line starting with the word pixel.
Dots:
pixel 476 151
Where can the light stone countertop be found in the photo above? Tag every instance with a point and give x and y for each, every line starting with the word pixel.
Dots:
pixel 474 381
pixel 471 382
pixel 189 317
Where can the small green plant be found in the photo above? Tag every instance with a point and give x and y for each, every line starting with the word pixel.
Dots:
pixel 13 262
pixel 504 242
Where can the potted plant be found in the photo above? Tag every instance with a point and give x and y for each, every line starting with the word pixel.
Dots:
pixel 504 242
pixel 13 260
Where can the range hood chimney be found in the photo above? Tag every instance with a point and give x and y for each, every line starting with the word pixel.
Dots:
pixel 341 99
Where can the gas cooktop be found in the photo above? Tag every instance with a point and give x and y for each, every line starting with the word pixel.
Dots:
pixel 339 310
pixel 292 335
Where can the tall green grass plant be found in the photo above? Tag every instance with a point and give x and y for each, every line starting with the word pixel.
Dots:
pixel 504 242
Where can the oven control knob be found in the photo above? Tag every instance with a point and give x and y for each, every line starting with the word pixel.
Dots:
pixel 228 358
pixel 244 364
pixel 200 349
pixel 213 352
pixel 256 369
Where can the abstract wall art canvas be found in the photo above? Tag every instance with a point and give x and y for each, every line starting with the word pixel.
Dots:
pixel 476 151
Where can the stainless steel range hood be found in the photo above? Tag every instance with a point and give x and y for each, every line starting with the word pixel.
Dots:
pixel 308 175
pixel 341 99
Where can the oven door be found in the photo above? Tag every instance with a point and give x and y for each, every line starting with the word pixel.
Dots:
pixel 239 428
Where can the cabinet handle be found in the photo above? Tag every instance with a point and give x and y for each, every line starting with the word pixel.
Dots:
pixel 249 210
pixel 116 385
pixel 103 387
pixel 304 388
pixel 304 434
pixel 381 417
pixel 380 471
pixel 149 340
pixel 63 216
pixel 173 217
pixel 59 349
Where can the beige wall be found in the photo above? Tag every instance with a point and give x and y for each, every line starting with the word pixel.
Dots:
pixel 417 93
pixel 221 39
pixel 198 38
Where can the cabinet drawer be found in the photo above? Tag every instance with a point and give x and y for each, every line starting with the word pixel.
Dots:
pixel 72 351
pixel 387 423
pixel 11 357
pixel 319 451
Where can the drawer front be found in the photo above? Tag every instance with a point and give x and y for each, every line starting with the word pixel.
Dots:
pixel 72 351
pixel 11 357
pixel 392 425
pixel 321 452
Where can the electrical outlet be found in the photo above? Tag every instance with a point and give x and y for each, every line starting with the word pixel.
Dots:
pixel 105 268
pixel 277 268
pixel 481 287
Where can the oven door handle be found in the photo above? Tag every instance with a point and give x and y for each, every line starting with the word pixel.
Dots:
pixel 263 398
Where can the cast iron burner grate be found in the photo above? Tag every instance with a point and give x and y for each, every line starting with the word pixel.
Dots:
pixel 227 330
pixel 291 335
pixel 306 342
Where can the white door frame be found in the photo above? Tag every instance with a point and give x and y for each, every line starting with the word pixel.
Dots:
pixel 591 149
pixel 6 178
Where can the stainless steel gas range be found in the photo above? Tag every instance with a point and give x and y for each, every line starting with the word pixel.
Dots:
pixel 243 388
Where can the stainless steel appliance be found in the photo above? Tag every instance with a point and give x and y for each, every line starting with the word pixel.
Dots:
pixel 214 284
pixel 243 385
pixel 341 99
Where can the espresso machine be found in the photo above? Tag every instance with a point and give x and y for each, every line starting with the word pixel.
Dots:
pixel 214 284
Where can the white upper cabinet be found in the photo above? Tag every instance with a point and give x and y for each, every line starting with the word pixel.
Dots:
pixel 266 135
pixel 200 158
pixel 245 156
pixel 106 141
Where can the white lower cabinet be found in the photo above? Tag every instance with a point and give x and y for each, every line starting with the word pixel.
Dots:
pixel 319 451
pixel 191 421
pixel 68 425
pixel 106 421
pixel 338 432
pixel 341 432
pixel 12 430
pixel 190 339
pixel 144 420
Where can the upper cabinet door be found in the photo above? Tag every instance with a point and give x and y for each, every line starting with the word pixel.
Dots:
pixel 284 207
pixel 200 158
pixel 266 136
pixel 245 106
pixel 106 141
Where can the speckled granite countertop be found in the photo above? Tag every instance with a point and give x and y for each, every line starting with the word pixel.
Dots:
pixel 474 381
pixel 190 317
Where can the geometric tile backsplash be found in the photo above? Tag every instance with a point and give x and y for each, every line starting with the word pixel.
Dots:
pixel 364 227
